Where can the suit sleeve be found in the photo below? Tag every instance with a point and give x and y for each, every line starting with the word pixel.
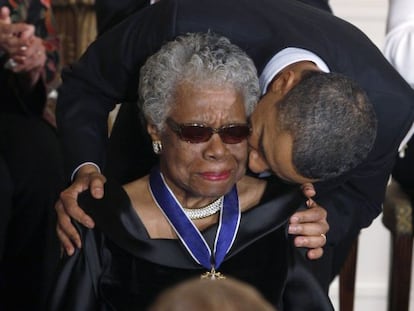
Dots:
pixel 354 204
pixel 109 13
pixel 99 80
pixel 303 290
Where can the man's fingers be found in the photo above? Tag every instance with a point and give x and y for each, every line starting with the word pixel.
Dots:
pixel 65 241
pixel 308 190
pixel 67 208
pixel 70 207
pixel 313 214
pixel 309 229
pixel 67 233
pixel 69 199
pixel 315 253
pixel 312 242
pixel 97 185
pixel 310 225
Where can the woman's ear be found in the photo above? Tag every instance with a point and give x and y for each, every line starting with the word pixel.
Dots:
pixel 153 131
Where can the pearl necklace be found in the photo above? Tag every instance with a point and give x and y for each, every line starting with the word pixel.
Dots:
pixel 203 212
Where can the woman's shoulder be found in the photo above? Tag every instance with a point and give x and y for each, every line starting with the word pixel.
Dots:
pixel 137 189
pixel 250 191
pixel 272 203
pixel 254 191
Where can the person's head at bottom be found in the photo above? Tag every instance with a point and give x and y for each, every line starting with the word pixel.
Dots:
pixel 206 295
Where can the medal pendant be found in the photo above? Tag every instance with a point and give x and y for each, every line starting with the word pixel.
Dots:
pixel 212 275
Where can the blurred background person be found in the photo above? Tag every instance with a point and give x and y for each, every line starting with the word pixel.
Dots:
pixel 30 160
pixel 399 50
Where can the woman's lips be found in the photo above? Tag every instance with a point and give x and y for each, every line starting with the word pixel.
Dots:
pixel 216 176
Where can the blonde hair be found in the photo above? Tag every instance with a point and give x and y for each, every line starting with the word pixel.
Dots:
pixel 211 295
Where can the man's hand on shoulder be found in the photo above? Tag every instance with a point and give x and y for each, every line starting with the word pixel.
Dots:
pixel 88 177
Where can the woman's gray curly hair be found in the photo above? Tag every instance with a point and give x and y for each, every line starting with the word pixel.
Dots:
pixel 201 59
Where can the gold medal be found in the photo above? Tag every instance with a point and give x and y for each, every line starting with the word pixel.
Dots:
pixel 212 275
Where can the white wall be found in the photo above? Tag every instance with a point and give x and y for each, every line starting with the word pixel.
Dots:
pixel 374 242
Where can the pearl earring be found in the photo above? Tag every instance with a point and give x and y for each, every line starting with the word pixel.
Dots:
pixel 157 146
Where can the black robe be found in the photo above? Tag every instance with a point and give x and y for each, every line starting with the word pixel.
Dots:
pixel 121 268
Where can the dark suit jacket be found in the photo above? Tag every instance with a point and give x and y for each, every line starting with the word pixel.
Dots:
pixel 108 73
pixel 109 13
pixel 15 96
pixel 320 4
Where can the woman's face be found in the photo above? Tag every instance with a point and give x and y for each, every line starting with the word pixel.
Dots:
pixel 211 168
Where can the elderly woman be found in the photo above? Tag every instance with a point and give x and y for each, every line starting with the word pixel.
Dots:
pixel 196 214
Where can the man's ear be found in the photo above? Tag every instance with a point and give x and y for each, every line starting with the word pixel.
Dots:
pixel 153 131
pixel 283 82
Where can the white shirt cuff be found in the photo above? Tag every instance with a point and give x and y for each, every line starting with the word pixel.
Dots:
pixel 83 164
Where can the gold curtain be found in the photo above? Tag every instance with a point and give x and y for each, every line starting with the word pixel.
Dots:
pixel 76 25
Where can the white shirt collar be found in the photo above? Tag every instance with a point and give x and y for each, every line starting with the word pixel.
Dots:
pixel 284 58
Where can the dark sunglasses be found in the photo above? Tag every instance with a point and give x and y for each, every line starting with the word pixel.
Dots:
pixel 198 133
